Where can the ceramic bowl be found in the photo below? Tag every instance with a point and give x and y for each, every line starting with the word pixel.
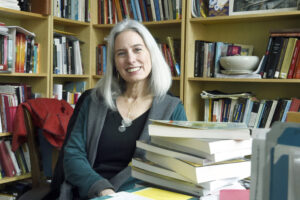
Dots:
pixel 239 62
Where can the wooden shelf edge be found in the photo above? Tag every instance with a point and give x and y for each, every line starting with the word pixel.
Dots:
pixel 24 75
pixel 5 134
pixel 247 17
pixel 69 22
pixel 15 178
pixel 152 23
pixel 70 76
pixel 16 14
pixel 243 80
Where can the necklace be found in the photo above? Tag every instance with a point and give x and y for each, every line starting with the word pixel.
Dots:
pixel 126 122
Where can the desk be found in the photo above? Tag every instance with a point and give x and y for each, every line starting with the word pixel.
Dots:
pixel 155 193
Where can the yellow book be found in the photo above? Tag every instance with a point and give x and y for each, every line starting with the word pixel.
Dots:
pixel 287 58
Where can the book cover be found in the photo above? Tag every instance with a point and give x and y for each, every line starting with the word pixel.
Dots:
pixel 41 7
pixel 287 58
pixel 198 173
pixel 282 54
pixel 171 152
pixel 6 162
pixel 265 113
pixel 294 60
pixel 209 146
pixel 296 74
pixel 295 105
pixel 167 182
pixel 274 56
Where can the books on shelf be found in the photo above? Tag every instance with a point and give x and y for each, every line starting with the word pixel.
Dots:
pixel 78 10
pixel 140 10
pixel 66 54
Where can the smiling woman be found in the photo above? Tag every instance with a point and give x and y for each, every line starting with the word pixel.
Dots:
pixel 115 114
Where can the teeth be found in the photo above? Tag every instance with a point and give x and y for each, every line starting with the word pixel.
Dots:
pixel 133 69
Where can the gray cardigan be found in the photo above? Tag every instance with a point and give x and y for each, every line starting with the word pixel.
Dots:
pixel 90 121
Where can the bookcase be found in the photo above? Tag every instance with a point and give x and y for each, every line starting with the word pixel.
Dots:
pixel 90 34
pixel 244 29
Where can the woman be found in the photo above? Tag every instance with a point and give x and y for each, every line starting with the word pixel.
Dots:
pixel 116 113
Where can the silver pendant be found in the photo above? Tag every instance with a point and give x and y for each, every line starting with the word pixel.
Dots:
pixel 124 124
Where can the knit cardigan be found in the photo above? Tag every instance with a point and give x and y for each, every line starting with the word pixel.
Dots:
pixel 80 154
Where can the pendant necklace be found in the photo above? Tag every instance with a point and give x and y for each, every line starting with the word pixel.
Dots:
pixel 126 122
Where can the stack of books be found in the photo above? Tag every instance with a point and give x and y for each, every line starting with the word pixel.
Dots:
pixel 196 158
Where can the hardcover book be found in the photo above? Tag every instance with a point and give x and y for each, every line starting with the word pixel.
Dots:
pixel 199 173
pixel 200 129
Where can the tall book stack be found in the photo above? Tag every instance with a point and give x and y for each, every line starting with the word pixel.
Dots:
pixel 197 158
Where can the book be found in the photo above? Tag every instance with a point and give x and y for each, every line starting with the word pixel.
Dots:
pixel 13 157
pixel 171 152
pixel 274 56
pixel 167 182
pixel 282 54
pixel 6 162
pixel 294 60
pixel 41 7
pixel 198 173
pixel 271 114
pixel 206 145
pixel 296 73
pixel 199 129
pixel 231 194
pixel 287 58
pixel 295 105
pixel 193 150
pixel 147 165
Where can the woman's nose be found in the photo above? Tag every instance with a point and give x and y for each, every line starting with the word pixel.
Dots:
pixel 131 57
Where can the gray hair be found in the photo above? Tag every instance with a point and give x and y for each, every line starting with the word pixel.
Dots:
pixel 110 87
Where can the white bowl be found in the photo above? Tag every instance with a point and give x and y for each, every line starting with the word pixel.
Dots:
pixel 239 62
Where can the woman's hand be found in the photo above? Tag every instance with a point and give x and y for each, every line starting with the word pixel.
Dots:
pixel 106 192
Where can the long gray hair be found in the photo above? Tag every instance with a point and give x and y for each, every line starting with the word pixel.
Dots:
pixel 110 86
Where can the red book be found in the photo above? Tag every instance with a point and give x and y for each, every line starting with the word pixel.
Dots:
pixel 296 74
pixel 234 194
pixel 6 162
pixel 295 105
pixel 294 60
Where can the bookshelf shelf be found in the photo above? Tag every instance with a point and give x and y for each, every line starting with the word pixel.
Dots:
pixel 247 18
pixel 15 178
pixel 5 134
pixel 43 75
pixel 70 76
pixel 69 22
pixel 15 14
pixel 242 29
pixel 244 80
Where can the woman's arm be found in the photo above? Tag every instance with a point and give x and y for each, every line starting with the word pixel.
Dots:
pixel 77 168
pixel 179 113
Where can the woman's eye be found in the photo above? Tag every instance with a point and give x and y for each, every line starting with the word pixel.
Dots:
pixel 121 53
pixel 138 49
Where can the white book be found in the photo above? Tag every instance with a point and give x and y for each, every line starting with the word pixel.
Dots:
pixel 154 168
pixel 206 145
pixel 161 10
pixel 167 182
pixel 199 129
pixel 153 10
pixel 271 113
pixel 198 173
pixel 172 153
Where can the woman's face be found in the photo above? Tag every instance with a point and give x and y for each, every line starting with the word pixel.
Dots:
pixel 132 57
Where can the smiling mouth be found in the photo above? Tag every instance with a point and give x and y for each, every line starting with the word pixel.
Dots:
pixel 133 69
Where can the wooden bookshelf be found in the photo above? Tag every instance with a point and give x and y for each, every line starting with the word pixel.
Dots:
pixel 15 178
pixel 243 29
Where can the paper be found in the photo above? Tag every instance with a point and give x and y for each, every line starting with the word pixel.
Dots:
pixel 159 194
pixel 127 195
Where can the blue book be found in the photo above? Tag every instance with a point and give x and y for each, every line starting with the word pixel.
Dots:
pixel 157 13
pixel 145 9
pixel 287 107
pixel 133 8
pixel 138 10
pixel 104 58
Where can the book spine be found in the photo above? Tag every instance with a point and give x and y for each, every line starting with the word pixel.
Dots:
pixel 274 56
pixel 294 60
pixel 287 58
